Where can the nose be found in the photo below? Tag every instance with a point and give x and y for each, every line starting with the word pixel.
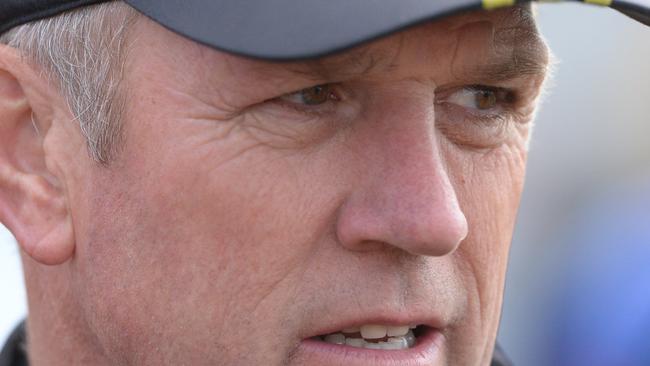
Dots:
pixel 403 195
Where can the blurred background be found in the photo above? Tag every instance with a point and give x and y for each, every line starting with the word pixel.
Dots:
pixel 578 288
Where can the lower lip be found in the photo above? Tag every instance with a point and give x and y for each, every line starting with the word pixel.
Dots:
pixel 426 352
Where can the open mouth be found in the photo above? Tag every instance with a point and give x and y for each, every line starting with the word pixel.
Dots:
pixel 374 336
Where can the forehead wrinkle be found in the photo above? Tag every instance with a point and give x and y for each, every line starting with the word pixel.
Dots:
pixel 506 51
pixel 521 53
pixel 381 55
pixel 357 62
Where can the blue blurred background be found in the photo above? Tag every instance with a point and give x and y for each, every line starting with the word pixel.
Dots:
pixel 578 288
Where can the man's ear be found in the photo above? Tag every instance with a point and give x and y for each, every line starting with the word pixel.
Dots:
pixel 33 202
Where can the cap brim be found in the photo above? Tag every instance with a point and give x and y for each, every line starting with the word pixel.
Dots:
pixel 634 9
pixel 291 30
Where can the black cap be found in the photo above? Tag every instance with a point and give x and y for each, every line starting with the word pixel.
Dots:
pixel 287 29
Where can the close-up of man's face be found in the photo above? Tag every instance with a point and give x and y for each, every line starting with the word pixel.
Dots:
pixel 257 207
pixel 353 209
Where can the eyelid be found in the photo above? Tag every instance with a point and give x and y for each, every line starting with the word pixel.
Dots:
pixel 317 109
pixel 515 108
pixel 507 98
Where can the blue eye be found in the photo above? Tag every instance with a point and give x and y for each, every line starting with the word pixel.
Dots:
pixel 315 95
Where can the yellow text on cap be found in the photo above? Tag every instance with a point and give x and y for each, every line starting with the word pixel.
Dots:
pixel 600 2
pixel 493 4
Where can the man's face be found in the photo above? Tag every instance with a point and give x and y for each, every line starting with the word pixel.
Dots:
pixel 257 206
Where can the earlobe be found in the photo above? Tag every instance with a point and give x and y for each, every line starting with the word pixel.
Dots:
pixel 33 204
pixel 38 218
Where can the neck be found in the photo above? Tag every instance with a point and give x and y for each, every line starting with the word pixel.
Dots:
pixel 57 333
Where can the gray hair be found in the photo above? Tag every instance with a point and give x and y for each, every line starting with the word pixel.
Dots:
pixel 83 52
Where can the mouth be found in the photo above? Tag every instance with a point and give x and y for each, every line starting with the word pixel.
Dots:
pixel 374 344
pixel 375 336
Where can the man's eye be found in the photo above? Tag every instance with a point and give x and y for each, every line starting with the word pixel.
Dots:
pixel 313 96
pixel 481 98
pixel 478 116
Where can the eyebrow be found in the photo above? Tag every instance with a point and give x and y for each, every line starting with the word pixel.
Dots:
pixel 356 62
pixel 520 63
pixel 528 57
pixel 521 51
pixel 526 54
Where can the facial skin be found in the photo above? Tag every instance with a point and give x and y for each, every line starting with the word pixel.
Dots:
pixel 238 220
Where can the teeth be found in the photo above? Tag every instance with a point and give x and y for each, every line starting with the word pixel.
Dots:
pixel 392 343
pixel 396 343
pixel 373 331
pixel 410 338
pixel 400 342
pixel 355 342
pixel 336 338
pixel 397 331
pixel 372 346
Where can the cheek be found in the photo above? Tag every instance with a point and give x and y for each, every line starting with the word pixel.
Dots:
pixel 491 193
pixel 197 242
pixel 489 187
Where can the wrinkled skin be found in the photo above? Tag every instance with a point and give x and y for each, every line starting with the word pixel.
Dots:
pixel 237 221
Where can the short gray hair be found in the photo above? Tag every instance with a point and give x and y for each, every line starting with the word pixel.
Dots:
pixel 83 52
